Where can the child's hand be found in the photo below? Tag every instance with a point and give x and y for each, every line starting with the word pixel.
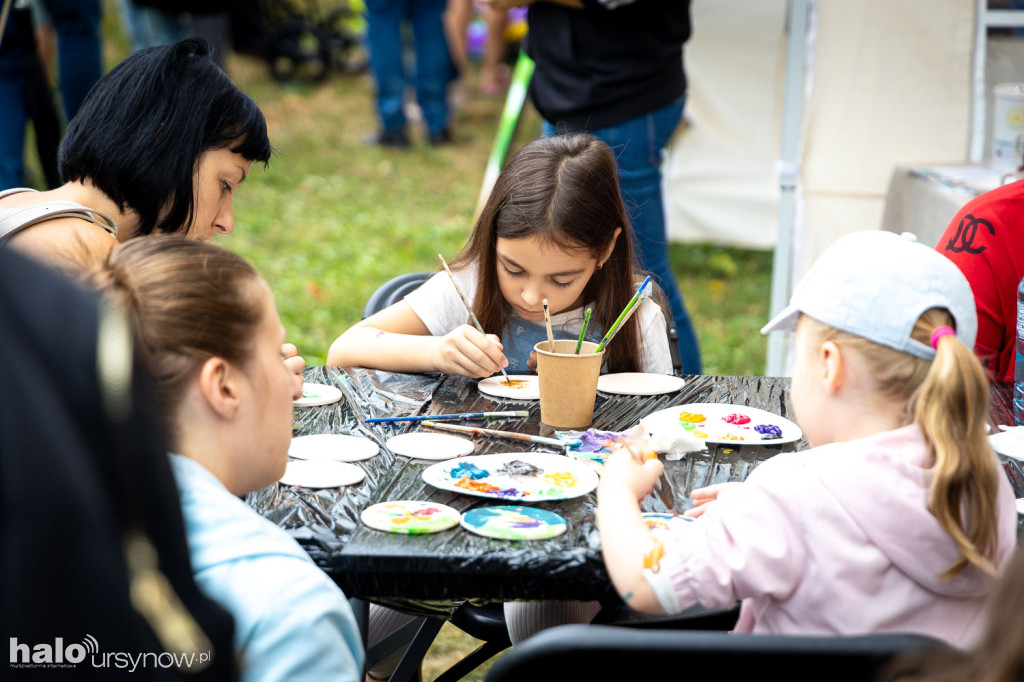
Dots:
pixel 293 361
pixel 467 352
pixel 623 468
pixel 531 362
pixel 702 497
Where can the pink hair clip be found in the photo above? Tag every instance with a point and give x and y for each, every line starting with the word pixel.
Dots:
pixel 939 333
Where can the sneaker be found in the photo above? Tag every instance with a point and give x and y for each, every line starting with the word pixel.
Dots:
pixel 439 137
pixel 389 138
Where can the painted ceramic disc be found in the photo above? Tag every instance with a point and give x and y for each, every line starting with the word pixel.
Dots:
pixel 639 383
pixel 514 476
pixel 524 387
pixel 514 523
pixel 317 394
pixel 333 446
pixel 410 517
pixel 660 522
pixel 424 445
pixel 315 473
pixel 722 423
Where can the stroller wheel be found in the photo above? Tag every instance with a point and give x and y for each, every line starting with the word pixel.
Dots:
pixel 299 51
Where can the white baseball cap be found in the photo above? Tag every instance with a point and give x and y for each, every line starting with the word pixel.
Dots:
pixel 876 284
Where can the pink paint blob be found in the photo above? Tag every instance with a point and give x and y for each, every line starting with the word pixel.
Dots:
pixel 736 419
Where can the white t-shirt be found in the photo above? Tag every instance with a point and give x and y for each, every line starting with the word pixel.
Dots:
pixel 439 307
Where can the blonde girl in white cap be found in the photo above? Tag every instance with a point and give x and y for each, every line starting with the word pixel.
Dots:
pixel 898 519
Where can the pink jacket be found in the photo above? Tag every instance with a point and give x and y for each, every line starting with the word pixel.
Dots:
pixel 835 540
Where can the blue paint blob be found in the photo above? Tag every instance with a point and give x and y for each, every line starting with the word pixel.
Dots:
pixel 468 470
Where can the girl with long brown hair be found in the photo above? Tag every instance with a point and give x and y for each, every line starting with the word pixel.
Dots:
pixel 897 520
pixel 553 228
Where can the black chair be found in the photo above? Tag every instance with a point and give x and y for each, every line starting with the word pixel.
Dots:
pixel 604 652
pixel 487 622
pixel 394 290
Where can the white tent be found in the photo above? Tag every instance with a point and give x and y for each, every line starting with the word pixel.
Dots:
pixel 872 84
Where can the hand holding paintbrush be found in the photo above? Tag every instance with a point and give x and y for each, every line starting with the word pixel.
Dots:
pixel 469 309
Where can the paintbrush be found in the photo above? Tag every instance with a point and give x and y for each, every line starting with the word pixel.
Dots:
pixel 464 415
pixel 508 435
pixel 547 323
pixel 469 308
pixel 583 330
pixel 638 298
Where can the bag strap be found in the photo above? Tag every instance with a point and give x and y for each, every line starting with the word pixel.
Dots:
pixel 17 219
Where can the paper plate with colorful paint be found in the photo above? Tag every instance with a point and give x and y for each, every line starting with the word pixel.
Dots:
pixel 426 445
pixel 317 394
pixel 319 473
pixel 513 523
pixel 639 383
pixel 660 522
pixel 723 423
pixel 518 386
pixel 332 446
pixel 514 476
pixel 410 517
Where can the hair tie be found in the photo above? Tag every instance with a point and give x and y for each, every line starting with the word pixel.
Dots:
pixel 939 333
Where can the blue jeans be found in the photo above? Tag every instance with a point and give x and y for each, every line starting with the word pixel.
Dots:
pixel 433 68
pixel 150 26
pixel 77 25
pixel 639 146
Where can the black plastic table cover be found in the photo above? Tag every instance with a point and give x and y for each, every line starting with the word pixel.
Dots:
pixel 439 570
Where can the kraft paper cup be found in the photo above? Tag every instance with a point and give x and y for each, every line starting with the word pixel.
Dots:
pixel 568 383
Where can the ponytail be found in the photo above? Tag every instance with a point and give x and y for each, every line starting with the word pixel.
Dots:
pixel 951 408
pixel 948 398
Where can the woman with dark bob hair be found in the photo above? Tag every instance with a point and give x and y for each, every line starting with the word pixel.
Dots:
pixel 160 145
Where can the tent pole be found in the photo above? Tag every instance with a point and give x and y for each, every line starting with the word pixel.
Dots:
pixel 789 173
pixel 976 152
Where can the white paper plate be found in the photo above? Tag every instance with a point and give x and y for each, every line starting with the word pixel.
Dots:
pixel 714 427
pixel 410 517
pixel 424 445
pixel 317 394
pixel 333 446
pixel 545 477
pixel 639 383
pixel 315 473
pixel 527 387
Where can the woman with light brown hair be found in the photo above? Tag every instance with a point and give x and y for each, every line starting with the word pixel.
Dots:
pixel 209 335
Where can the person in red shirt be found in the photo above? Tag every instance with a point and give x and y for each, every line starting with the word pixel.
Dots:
pixel 986 241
